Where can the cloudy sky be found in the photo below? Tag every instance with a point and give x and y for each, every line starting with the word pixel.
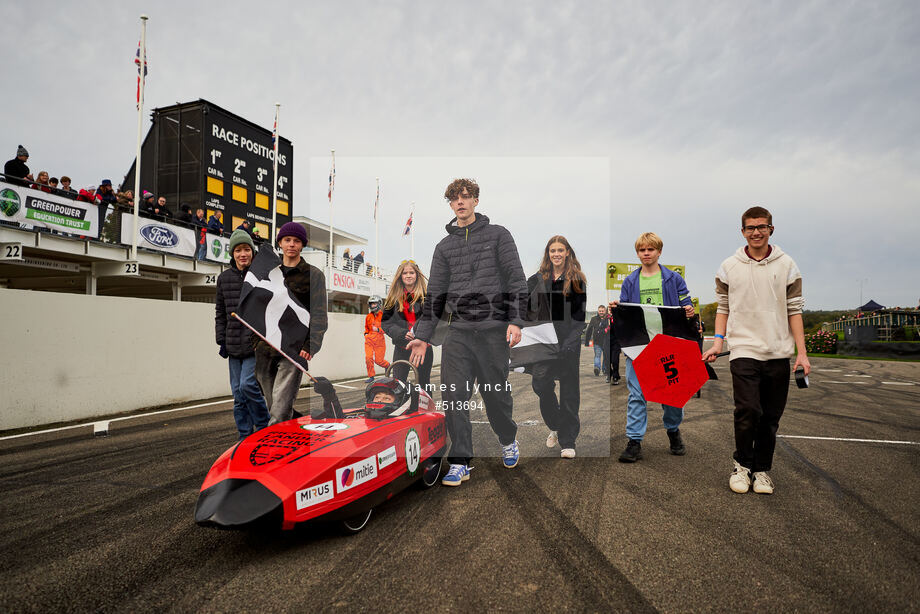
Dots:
pixel 597 120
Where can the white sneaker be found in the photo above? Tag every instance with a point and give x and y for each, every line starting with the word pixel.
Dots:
pixel 763 485
pixel 740 479
pixel 568 453
pixel 552 440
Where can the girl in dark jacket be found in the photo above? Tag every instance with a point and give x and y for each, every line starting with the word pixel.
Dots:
pixel 401 310
pixel 235 340
pixel 559 294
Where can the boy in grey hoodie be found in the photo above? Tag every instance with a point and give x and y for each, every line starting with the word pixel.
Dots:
pixel 759 291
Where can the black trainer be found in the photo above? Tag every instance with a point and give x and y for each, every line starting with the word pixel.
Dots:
pixel 677 443
pixel 615 381
pixel 633 451
pixel 596 371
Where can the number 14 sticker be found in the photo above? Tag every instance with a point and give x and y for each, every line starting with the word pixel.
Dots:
pixel 413 451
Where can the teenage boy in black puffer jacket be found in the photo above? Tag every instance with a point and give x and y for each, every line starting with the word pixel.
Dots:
pixel 476 277
pixel 235 340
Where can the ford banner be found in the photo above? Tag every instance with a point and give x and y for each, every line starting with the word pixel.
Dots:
pixel 160 236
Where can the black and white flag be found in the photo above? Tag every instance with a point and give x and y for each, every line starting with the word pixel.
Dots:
pixel 635 325
pixel 538 343
pixel 268 307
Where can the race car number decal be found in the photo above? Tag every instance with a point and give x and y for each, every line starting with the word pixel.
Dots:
pixel 413 451
pixel 324 426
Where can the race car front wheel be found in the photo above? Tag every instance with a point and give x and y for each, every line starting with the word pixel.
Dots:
pixel 356 523
pixel 431 471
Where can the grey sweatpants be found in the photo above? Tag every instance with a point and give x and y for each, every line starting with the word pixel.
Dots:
pixel 280 382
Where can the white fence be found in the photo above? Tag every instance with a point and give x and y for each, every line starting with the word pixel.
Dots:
pixel 75 357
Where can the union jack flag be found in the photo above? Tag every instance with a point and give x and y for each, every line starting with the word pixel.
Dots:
pixel 331 179
pixel 137 61
pixel 377 202
pixel 408 227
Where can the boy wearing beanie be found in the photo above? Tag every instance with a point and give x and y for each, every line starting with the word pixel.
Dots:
pixel 235 340
pixel 280 380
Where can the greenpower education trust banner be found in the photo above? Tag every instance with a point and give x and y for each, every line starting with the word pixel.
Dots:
pixel 42 210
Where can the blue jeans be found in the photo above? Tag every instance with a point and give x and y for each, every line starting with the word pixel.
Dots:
pixel 598 356
pixel 637 409
pixel 202 251
pixel 249 409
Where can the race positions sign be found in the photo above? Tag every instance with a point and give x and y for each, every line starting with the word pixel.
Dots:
pixel 238 164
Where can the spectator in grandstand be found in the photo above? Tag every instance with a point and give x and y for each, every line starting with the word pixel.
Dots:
pixel 105 196
pixel 125 199
pixel 201 225
pixel 161 208
pixel 256 237
pixel 357 262
pixel 42 182
pixel 244 225
pixel 106 193
pixel 87 195
pixel 148 205
pixel 185 214
pixel 65 184
pixel 216 223
pixel 16 170
pixel 53 182
pixel 346 259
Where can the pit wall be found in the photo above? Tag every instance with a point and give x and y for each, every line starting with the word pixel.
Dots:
pixel 74 357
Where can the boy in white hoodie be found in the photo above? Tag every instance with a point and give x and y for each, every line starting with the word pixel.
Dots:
pixel 759 291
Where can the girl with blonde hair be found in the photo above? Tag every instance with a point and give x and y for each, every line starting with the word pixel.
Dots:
pixel 402 308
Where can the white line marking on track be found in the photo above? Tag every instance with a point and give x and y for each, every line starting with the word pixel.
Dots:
pixel 344 386
pixel 900 383
pixel 849 382
pixel 827 370
pixel 908 443
pixel 856 375
pixel 84 424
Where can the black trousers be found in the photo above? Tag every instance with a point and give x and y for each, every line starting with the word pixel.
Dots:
pixel 760 388
pixel 559 415
pixel 481 357
pixel 402 371
pixel 614 357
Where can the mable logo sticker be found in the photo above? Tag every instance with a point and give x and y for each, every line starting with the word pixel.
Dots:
pixel 413 451
pixel 324 426
pixel 387 457
pixel 314 494
pixel 355 474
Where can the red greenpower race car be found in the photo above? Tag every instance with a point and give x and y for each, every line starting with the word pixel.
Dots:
pixel 333 466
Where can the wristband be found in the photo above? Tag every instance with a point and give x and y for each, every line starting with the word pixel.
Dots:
pixel 717 336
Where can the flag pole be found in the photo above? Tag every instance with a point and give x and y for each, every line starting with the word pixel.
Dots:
pixel 275 183
pixel 277 349
pixel 376 231
pixel 140 120
pixel 331 247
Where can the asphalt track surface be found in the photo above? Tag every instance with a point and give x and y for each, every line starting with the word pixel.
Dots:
pixel 105 524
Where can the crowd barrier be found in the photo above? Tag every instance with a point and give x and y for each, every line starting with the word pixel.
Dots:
pixel 75 357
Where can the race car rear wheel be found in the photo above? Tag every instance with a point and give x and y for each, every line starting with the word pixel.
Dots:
pixel 431 471
pixel 356 523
